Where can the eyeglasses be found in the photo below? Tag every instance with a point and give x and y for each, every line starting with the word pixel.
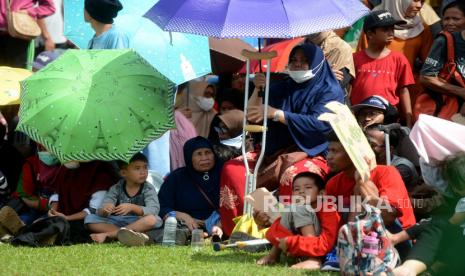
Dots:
pixel 221 130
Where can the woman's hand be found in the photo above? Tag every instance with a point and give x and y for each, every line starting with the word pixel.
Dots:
pixel 337 73
pixel 255 113
pixel 259 80
pixel 188 220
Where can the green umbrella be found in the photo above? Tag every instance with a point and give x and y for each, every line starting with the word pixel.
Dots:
pixel 96 105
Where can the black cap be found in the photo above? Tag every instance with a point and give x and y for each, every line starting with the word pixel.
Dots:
pixel 103 10
pixel 380 18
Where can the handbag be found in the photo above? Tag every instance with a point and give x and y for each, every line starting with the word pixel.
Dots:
pixel 21 25
pixel 438 104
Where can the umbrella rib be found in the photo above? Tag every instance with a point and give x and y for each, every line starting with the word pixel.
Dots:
pixel 225 19
pixel 287 17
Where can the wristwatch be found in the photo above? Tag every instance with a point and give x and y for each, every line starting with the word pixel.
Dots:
pixel 276 115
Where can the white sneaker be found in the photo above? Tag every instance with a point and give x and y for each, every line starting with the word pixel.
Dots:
pixel 132 238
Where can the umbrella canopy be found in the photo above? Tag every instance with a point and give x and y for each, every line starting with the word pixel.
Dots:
pixel 226 56
pixel 279 63
pixel 96 105
pixel 253 18
pixel 180 57
pixel 9 84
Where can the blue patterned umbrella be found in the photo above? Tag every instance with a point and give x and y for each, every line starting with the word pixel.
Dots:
pixel 255 18
pixel 181 57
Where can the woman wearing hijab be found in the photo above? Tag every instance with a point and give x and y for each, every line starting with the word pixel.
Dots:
pixel 193 191
pixel 198 105
pixel 413 39
pixel 294 131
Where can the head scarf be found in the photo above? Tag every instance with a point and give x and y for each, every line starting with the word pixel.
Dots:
pixel 200 119
pixel 336 50
pixel 233 119
pixel 302 103
pixel 199 177
pixel 317 166
pixel 397 8
pixel 184 131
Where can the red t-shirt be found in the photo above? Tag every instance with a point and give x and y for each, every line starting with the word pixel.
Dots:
pixel 314 246
pixel 390 185
pixel 382 77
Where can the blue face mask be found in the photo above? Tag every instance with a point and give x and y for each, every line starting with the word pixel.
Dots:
pixel 47 158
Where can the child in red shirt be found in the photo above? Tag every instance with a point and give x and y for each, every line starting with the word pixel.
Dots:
pixel 379 70
pixel 304 231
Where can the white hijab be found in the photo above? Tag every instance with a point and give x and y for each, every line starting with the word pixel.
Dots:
pixel 397 8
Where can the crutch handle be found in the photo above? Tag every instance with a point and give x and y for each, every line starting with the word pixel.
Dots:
pixel 255 128
pixel 259 55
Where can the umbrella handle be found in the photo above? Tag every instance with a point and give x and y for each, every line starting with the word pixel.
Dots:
pixel 259 55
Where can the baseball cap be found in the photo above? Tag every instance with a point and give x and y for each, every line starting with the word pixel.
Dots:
pixel 380 18
pixel 374 102
pixel 45 58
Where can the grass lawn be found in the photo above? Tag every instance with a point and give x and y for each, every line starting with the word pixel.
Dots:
pixel 115 259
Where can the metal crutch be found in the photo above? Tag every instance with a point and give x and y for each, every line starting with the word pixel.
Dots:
pixel 387 144
pixel 251 178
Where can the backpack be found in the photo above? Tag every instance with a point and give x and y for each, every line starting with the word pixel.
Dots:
pixel 44 232
pixel 435 103
pixel 352 249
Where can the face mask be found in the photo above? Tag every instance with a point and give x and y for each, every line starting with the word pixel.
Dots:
pixel 47 158
pixel 72 165
pixel 235 142
pixel 206 104
pixel 305 75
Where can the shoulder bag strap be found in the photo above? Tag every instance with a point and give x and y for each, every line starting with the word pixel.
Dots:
pixel 447 71
pixel 205 195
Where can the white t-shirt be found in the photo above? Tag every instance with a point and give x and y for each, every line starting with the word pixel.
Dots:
pixel 55 23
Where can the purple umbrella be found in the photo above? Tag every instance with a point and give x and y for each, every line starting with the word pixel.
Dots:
pixel 255 18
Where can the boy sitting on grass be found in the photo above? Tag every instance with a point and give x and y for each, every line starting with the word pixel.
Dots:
pixel 304 231
pixel 131 203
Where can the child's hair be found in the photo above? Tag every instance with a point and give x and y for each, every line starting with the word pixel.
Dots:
pixel 319 182
pixel 137 157
pixel 454 171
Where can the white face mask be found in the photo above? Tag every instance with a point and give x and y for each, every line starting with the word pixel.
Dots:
pixel 305 75
pixel 72 165
pixel 233 142
pixel 206 104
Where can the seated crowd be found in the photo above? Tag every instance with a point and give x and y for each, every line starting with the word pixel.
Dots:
pixel 303 159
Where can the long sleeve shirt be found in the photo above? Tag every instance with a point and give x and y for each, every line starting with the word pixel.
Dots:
pixel 35 8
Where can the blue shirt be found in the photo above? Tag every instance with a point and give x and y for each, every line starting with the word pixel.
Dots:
pixel 114 38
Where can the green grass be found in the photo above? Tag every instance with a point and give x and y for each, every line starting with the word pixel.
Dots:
pixel 115 259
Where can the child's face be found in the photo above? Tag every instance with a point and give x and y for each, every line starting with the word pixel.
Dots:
pixel 135 172
pixel 305 187
pixel 381 35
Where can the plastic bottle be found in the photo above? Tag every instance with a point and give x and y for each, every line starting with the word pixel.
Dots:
pixel 169 232
pixel 370 248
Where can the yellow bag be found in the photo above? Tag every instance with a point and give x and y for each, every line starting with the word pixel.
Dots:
pixel 21 25
pixel 246 224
